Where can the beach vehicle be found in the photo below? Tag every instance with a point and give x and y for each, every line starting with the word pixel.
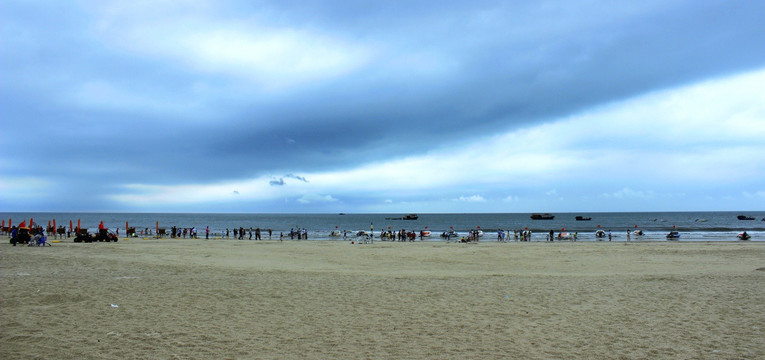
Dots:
pixel 600 234
pixel 544 216
pixel 673 235
pixel 582 218
pixel 106 235
pixel 565 236
pixel 83 235
pixel 637 233
pixel 744 236
pixel 744 217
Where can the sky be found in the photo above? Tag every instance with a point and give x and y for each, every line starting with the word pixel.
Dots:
pixel 382 106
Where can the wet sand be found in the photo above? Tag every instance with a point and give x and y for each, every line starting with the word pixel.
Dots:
pixel 233 299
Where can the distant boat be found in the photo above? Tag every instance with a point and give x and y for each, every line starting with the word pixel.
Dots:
pixel 744 217
pixel 673 235
pixel 341 214
pixel 542 216
pixel 701 220
pixel 411 217
pixel 581 218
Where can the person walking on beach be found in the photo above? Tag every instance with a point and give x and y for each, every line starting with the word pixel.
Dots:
pixel 207 232
pixel 628 235
pixel 609 234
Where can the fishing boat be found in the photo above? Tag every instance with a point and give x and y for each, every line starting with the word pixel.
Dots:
pixel 744 217
pixel 673 235
pixel 542 216
pixel 405 217
pixel 582 218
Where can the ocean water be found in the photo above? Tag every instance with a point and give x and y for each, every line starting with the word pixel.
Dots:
pixel 693 226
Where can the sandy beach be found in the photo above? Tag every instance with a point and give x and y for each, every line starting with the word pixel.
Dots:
pixel 227 299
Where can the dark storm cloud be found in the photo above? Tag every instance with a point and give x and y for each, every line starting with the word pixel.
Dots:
pixel 112 115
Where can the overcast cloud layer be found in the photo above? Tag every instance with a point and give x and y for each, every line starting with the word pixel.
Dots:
pixel 329 106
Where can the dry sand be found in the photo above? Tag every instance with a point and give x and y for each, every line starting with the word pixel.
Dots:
pixel 326 300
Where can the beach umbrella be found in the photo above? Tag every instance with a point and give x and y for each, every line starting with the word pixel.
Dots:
pixel 78 226
pixel 3 225
pixel 70 225
pixel 126 227
pixel 23 224
pixel 54 225
pixel 48 223
pixel 157 227
pixel 31 222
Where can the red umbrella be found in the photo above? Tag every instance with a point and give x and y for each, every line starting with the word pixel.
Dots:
pixel 3 223
pixel 126 227
pixel 31 222
pixel 157 227
pixel 54 225
pixel 71 228
pixel 78 226
pixel 23 224
pixel 48 223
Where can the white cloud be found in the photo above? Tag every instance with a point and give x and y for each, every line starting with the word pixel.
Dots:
pixel 315 198
pixel 471 198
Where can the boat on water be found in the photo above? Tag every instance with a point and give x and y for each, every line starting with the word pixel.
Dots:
pixel 744 217
pixel 582 218
pixel 405 217
pixel 744 236
pixel 673 235
pixel 544 216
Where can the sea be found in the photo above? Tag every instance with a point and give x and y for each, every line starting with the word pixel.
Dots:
pixel 692 226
